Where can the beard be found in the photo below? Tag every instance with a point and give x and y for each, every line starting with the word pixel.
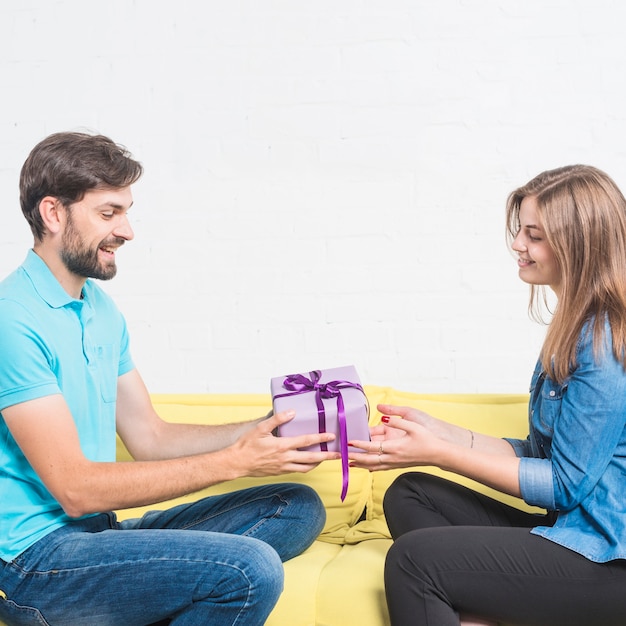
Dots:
pixel 84 261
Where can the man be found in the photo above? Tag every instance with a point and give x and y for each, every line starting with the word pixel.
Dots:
pixel 67 383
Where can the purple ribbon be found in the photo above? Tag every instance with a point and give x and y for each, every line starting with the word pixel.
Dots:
pixel 299 383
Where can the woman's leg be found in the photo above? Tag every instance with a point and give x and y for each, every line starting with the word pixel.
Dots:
pixel 506 575
pixel 459 552
pixel 418 500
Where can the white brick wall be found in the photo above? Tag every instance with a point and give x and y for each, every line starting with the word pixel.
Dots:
pixel 325 180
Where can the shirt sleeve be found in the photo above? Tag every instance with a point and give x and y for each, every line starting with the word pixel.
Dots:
pixel 521 447
pixel 581 423
pixel 536 484
pixel 25 371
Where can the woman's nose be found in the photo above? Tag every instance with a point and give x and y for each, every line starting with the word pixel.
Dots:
pixel 518 243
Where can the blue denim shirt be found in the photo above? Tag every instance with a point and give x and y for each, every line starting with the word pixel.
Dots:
pixel 574 460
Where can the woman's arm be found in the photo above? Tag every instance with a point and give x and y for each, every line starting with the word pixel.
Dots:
pixel 409 437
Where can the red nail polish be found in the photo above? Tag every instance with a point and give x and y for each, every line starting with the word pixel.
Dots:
pixel 385 418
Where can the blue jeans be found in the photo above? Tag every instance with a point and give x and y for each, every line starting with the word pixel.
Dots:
pixel 160 569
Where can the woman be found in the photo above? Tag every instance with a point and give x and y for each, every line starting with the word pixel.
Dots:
pixel 462 558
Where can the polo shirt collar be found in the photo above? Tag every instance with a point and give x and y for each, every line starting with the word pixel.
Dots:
pixel 45 282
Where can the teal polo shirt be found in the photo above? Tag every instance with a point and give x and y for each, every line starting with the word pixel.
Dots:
pixel 50 344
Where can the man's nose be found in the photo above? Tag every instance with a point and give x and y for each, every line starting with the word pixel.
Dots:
pixel 124 229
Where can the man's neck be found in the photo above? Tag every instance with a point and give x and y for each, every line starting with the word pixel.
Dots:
pixel 70 282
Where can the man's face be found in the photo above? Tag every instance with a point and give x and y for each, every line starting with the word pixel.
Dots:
pixel 96 226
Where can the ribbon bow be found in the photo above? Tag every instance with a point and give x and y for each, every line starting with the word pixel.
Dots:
pixel 297 384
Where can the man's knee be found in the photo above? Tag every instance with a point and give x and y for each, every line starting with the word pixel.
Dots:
pixel 306 504
pixel 265 570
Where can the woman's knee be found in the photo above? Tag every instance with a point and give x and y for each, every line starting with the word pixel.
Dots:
pixel 405 554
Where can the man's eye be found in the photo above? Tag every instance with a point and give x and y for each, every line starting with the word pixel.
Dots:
pixel 107 216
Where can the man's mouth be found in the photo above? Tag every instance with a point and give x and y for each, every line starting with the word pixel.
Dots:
pixel 109 251
pixel 110 248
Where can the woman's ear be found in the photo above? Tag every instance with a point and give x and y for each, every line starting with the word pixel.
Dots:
pixel 52 213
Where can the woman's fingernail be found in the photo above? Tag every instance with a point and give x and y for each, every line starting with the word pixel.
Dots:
pixel 385 418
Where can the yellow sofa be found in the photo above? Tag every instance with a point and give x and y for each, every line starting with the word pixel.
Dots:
pixel 339 580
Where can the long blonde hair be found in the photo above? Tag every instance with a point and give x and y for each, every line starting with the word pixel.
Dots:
pixel 583 214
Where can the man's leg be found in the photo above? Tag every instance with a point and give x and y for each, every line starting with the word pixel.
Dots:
pixel 89 574
pixel 287 516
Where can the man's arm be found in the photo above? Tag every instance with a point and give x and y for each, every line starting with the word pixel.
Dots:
pixel 45 431
pixel 148 437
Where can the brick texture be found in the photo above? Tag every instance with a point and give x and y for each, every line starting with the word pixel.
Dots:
pixel 325 181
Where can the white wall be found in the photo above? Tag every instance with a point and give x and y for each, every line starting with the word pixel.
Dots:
pixel 325 180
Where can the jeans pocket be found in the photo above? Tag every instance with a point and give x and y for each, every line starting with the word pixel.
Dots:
pixel 17 615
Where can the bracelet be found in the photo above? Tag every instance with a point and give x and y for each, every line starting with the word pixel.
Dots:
pixel 471 432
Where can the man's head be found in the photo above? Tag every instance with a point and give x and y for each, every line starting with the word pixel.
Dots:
pixel 66 166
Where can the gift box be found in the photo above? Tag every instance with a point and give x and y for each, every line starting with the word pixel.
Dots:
pixel 330 400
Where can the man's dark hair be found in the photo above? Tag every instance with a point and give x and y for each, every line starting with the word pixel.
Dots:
pixel 66 166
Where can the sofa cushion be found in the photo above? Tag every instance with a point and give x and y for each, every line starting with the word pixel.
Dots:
pixel 298 605
pixel 350 591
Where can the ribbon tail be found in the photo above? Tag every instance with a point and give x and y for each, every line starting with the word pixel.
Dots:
pixel 343 441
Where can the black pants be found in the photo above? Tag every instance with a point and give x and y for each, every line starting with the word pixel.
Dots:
pixel 459 552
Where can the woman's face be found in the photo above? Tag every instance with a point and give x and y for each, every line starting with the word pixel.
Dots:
pixel 536 261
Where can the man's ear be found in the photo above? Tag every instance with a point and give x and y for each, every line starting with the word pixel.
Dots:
pixel 53 213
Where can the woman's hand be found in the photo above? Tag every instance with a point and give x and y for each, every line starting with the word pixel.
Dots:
pixel 396 442
pixel 403 440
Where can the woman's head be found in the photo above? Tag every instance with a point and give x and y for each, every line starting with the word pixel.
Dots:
pixel 66 165
pixel 582 215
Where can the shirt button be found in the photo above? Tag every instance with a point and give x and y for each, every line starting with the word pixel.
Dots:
pixel 552 394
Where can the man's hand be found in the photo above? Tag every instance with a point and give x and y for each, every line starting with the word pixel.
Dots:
pixel 259 453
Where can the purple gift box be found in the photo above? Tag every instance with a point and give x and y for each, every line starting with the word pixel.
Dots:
pixel 330 400
pixel 314 397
